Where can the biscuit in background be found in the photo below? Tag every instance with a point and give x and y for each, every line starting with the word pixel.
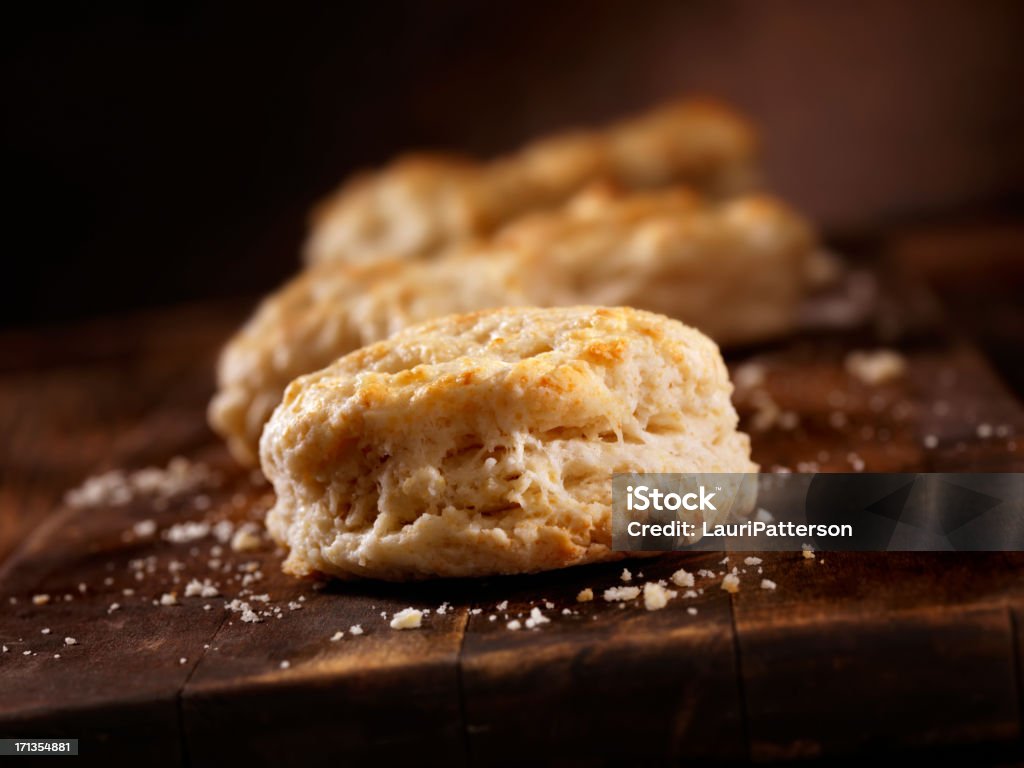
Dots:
pixel 423 204
pixel 737 270
pixel 485 443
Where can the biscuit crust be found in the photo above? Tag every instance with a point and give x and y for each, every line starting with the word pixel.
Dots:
pixel 484 443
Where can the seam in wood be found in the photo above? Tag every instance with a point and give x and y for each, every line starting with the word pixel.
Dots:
pixel 1018 673
pixel 180 696
pixel 460 685
pixel 741 691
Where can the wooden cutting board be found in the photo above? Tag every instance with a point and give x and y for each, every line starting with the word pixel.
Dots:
pixel 851 651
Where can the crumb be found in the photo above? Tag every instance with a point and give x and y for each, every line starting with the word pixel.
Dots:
pixel 40 599
pixel 692 611
pixel 752 561
pixel 56 655
pixel 536 618
pixel 45 631
pixel 182 660
pixel 626 575
pixel 585 595
pixel 768 584
pixel 246 538
pixel 337 636
pixel 731 583
pixel 878 367
pixel 749 376
pixel 984 431
pixel 285 664
pixel 656 596
pixel 408 618
pixel 613 594
pixel 514 625
pixel 169 598
pixel 682 578
pixel 70 641
pixel 144 528
pixel 502 606
pixel 931 441
pixel 355 629
pixel 808 552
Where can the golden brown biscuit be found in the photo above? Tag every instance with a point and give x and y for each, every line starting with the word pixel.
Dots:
pixel 485 443
pixel 421 205
pixel 735 270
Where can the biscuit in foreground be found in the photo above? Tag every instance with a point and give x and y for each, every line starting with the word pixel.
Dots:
pixel 485 443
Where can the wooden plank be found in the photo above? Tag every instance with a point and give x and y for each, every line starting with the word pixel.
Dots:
pixel 855 651
pixel 384 695
pixel 612 682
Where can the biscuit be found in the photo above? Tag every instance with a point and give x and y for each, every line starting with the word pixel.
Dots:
pixel 736 270
pixel 421 205
pixel 485 443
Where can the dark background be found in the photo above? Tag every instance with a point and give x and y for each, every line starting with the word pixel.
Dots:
pixel 159 155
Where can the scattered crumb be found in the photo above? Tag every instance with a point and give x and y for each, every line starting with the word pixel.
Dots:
pixel 656 596
pixel 182 660
pixel 585 595
pixel 169 598
pixel 188 531
pixel 626 575
pixel 682 578
pixel 44 631
pixel 536 618
pixel 752 561
pixel 246 538
pixel 514 625
pixel 808 552
pixel 768 584
pixel 118 487
pixel 692 611
pixel 144 528
pixel 285 664
pixel 355 629
pixel 70 641
pixel 618 594
pixel 407 618
pixel 877 367
pixel 749 376
pixel 502 606
pixel 984 431
pixel 931 441
pixel 113 607
pixel 337 636
pixel 731 583
pixel 40 599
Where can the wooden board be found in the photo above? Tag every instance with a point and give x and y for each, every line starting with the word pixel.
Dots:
pixel 851 652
